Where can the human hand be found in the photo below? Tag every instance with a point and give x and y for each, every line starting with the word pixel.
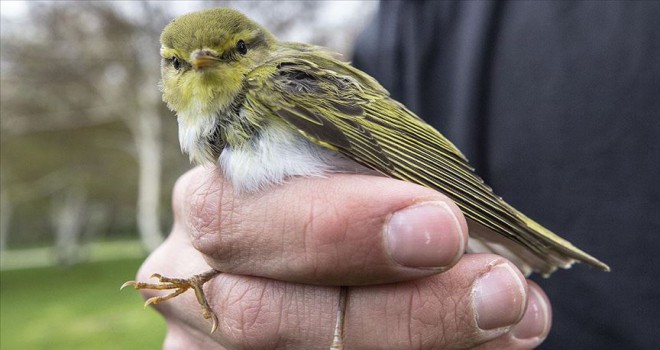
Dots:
pixel 280 250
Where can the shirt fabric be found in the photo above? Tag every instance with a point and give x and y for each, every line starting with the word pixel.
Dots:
pixel 557 105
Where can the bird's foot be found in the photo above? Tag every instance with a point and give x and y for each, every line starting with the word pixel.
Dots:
pixel 180 285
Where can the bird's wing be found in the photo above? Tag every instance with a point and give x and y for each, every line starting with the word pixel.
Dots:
pixel 339 107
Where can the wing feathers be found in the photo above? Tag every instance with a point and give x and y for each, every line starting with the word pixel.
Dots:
pixel 339 107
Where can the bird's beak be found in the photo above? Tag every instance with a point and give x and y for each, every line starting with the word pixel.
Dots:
pixel 203 59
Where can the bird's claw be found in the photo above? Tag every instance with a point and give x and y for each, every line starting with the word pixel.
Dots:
pixel 179 285
pixel 128 283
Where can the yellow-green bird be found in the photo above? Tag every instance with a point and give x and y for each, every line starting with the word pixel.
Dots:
pixel 266 110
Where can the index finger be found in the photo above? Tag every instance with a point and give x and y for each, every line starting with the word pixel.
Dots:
pixel 343 229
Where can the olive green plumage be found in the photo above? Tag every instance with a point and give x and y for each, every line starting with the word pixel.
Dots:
pixel 228 95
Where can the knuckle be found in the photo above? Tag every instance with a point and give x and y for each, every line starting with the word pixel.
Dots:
pixel 211 218
pixel 251 318
pixel 203 208
pixel 449 326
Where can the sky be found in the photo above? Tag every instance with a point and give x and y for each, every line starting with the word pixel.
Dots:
pixel 12 9
pixel 337 11
pixel 337 16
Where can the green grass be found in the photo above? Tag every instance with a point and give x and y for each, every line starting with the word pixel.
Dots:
pixel 76 308
pixel 92 251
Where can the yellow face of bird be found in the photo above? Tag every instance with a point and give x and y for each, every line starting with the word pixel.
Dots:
pixel 205 57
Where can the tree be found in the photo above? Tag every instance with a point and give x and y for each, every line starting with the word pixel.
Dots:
pixel 70 85
pixel 81 120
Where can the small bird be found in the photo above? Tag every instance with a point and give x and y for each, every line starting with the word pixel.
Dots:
pixel 266 110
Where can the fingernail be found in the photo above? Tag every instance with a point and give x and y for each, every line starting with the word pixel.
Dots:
pixel 426 235
pixel 498 297
pixel 536 322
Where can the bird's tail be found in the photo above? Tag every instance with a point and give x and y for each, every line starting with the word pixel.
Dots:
pixel 540 250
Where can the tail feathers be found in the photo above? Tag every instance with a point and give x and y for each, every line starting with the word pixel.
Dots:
pixel 561 245
pixel 551 251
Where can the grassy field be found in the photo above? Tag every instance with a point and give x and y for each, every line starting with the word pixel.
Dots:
pixel 76 308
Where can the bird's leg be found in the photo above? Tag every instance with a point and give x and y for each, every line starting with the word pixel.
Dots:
pixel 338 337
pixel 180 285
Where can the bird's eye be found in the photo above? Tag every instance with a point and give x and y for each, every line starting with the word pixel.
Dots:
pixel 241 47
pixel 176 63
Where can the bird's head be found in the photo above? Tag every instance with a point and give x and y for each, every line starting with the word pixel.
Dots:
pixel 205 57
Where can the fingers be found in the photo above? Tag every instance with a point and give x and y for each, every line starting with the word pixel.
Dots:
pixel 532 329
pixel 353 230
pixel 345 229
pixel 476 303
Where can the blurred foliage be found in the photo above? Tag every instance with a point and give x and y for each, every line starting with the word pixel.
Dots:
pixel 74 80
pixel 71 77
pixel 76 308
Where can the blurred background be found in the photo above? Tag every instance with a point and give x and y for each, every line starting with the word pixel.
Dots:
pixel 89 155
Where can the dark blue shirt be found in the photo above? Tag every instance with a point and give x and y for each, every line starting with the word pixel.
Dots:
pixel 557 104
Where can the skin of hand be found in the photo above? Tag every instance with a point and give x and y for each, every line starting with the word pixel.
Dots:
pixel 398 245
